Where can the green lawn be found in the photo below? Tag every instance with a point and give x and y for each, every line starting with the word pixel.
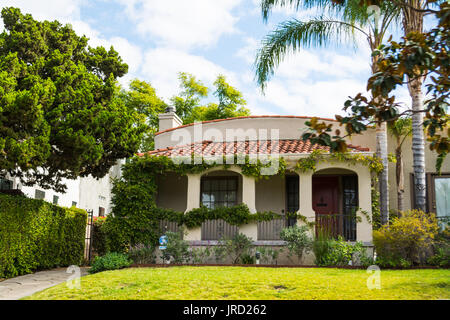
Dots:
pixel 253 283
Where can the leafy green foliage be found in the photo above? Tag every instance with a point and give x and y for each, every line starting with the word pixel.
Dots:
pixel 177 250
pixel 188 102
pixel 338 252
pixel 417 55
pixel 200 255
pixel 142 254
pixel 59 106
pixel 237 248
pixel 110 261
pixel 407 240
pixel 297 240
pixel 99 236
pixel 37 235
pixel 141 97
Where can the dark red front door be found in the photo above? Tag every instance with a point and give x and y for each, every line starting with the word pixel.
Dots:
pixel 325 204
pixel 325 194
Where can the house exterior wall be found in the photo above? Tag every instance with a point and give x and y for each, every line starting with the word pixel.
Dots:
pixel 270 194
pixel 172 192
pixel 292 128
pixel 288 128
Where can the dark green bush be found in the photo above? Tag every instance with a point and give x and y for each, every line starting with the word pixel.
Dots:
pixel 99 241
pixel 297 240
pixel 236 247
pixel 35 235
pixel 142 254
pixel 110 261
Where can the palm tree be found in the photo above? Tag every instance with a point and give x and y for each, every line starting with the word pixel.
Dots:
pixel 413 22
pixel 352 17
pixel 400 129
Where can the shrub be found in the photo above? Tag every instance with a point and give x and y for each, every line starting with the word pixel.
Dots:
pixel 99 244
pixel 235 247
pixel 407 240
pixel 142 254
pixel 177 249
pixel 297 240
pixel 269 255
pixel 321 247
pixel 36 235
pixel 339 252
pixel 248 258
pixel 441 249
pixel 110 261
pixel 200 255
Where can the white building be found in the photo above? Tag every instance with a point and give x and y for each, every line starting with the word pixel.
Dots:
pixel 85 193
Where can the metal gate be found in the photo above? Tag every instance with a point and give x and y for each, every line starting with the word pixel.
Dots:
pixel 88 238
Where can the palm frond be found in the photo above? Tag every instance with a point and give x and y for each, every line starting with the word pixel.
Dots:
pixel 291 35
pixel 268 5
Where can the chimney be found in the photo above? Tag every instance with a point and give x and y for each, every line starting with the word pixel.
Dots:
pixel 169 119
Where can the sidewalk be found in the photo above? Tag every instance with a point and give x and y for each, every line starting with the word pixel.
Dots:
pixel 19 287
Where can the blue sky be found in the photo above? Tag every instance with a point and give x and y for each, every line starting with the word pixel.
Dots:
pixel 159 38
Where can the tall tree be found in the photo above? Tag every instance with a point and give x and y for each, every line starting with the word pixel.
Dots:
pixel 189 106
pixel 413 22
pixel 400 129
pixel 348 17
pixel 141 97
pixel 60 115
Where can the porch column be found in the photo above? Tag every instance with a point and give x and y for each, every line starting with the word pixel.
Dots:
pixel 249 198
pixel 193 192
pixel 305 196
pixel 364 228
pixel 193 201
pixel 248 193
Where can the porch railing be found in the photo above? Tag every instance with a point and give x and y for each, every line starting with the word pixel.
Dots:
pixel 336 225
pixel 217 229
pixel 166 225
pixel 270 230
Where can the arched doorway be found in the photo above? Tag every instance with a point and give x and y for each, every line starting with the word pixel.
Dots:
pixel 335 202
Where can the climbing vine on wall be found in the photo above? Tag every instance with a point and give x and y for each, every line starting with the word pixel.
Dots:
pixel 135 218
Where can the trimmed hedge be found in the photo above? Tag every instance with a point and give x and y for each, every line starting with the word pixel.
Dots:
pixel 35 235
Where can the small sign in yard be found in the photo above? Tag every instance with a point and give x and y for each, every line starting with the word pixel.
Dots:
pixel 162 242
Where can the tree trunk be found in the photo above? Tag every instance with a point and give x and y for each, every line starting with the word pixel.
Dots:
pixel 400 180
pixel 418 144
pixel 381 135
pixel 383 181
pixel 413 22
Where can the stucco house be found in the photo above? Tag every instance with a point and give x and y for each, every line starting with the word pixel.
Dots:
pixel 335 187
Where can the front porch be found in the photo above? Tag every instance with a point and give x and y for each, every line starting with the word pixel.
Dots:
pixel 330 197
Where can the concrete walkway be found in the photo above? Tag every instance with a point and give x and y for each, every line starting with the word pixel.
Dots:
pixel 23 286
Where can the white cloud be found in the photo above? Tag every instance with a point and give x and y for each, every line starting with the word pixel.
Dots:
pixel 321 98
pixel 181 23
pixel 162 65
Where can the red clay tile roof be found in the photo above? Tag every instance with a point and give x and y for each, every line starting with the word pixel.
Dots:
pixel 210 148
pixel 244 117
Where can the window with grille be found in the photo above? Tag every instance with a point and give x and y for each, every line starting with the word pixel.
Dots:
pixel 55 199
pixel 219 192
pixel 101 211
pixel 5 184
pixel 39 194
